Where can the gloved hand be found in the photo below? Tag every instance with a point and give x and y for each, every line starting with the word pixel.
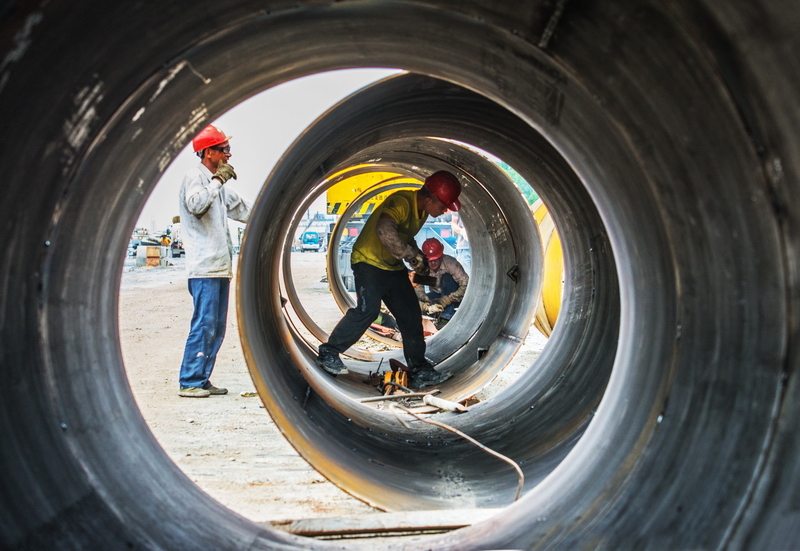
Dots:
pixel 443 301
pixel 419 264
pixel 224 173
pixel 431 308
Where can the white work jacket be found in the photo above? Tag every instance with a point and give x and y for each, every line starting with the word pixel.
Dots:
pixel 205 206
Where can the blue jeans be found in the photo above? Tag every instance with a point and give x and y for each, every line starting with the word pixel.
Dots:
pixel 210 296
pixel 448 285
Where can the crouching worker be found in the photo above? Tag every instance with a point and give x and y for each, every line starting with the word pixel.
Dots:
pixel 380 275
pixel 451 283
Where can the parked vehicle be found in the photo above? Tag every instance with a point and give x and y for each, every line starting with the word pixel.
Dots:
pixel 311 241
pixel 177 249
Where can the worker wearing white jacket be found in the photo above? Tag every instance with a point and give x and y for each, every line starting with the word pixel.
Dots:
pixel 206 203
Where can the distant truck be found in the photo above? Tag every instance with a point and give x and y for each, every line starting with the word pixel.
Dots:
pixel 311 241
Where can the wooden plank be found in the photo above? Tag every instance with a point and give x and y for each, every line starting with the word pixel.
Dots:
pixel 383 523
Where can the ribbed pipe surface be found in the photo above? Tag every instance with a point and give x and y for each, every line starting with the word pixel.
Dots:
pixel 674 137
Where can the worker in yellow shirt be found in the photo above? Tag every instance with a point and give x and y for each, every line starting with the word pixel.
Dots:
pixel 387 240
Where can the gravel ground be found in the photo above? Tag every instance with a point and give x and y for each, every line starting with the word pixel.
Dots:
pixel 228 445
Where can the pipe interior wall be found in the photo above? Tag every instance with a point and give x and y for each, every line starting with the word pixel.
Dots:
pixel 680 123
pixel 550 404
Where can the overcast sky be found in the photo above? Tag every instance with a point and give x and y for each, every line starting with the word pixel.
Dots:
pixel 262 128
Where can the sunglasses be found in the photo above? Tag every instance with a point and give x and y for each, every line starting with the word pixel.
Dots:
pixel 226 149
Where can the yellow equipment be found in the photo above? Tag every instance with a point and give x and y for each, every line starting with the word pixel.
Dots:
pixel 553 263
pixel 342 193
pixel 398 375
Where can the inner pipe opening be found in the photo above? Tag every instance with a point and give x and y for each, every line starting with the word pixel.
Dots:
pixel 491 271
pixel 351 195
pixel 389 127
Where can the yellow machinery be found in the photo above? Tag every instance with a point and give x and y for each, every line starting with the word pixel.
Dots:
pixel 392 378
pixel 342 193
pixel 553 262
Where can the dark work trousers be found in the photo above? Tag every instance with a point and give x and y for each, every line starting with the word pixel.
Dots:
pixel 374 285
pixel 447 285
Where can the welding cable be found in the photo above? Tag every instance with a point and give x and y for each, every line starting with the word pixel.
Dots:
pixel 466 437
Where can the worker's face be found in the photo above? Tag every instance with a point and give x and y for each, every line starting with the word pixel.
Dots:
pixel 434 264
pixel 434 207
pixel 219 153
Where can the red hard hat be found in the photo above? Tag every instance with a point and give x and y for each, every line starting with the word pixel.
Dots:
pixel 432 248
pixel 209 136
pixel 446 188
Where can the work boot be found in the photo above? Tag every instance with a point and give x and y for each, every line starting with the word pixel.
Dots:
pixel 194 392
pixel 330 362
pixel 425 375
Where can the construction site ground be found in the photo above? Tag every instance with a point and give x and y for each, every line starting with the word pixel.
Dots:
pixel 228 445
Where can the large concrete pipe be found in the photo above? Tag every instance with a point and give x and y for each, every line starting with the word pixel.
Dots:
pixel 679 118
pixel 366 451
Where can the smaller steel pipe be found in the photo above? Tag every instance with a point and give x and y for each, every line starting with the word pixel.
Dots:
pixel 550 404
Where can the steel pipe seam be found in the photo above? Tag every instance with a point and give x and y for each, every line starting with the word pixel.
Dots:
pixel 352 127
pixel 639 66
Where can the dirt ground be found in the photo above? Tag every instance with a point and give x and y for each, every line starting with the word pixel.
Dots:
pixel 228 445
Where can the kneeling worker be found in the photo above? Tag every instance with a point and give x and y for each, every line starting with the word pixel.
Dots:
pixel 451 282
pixel 380 275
